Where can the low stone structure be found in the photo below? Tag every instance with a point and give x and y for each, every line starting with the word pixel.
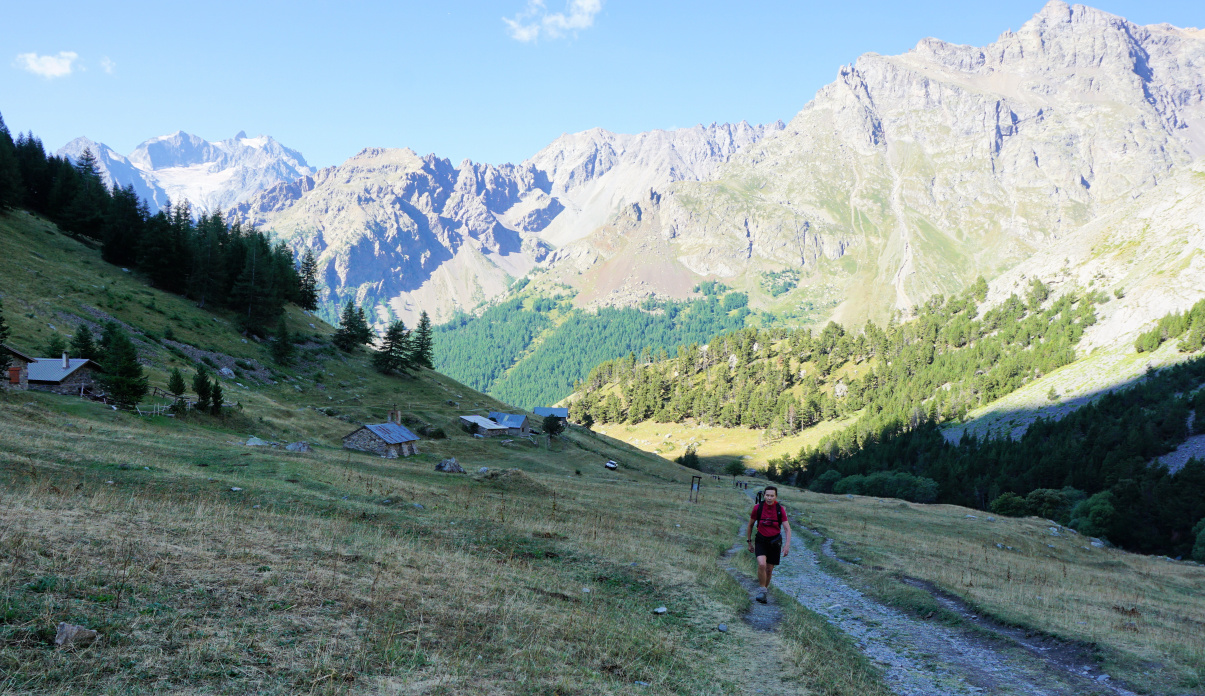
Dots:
pixel 17 376
pixel 480 425
pixel 63 375
pixel 515 423
pixel 390 440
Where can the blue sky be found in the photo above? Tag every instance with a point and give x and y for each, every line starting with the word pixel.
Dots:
pixel 489 81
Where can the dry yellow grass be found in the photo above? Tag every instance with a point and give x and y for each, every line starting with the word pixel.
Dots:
pixel 1146 613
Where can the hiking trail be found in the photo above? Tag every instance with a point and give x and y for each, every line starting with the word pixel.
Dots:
pixel 924 658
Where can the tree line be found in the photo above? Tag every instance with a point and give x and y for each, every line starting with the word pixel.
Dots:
pixel 207 259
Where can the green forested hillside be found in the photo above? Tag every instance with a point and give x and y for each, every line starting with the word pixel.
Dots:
pixel 530 351
pixel 902 381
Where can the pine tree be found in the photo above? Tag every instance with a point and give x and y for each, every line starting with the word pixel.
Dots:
pixel 397 351
pixel 202 388
pixel 123 377
pixel 307 294
pixel 363 328
pixel 5 360
pixel 216 398
pixel 55 346
pixel 282 343
pixel 10 171
pixel 424 353
pixel 353 328
pixel 175 382
pixel 82 344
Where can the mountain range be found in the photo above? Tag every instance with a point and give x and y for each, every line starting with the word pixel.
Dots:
pixel 211 176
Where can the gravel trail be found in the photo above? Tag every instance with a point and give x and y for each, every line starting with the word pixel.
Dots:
pixel 923 658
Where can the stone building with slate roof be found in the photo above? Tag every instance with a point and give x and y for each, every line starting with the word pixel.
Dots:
pixel 390 440
pixel 545 411
pixel 17 376
pixel 63 375
pixel 480 425
pixel 515 423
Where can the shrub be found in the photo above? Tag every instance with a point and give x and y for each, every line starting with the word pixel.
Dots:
pixel 889 484
pixel 1010 505
pixel 824 482
pixel 690 458
pixel 1095 516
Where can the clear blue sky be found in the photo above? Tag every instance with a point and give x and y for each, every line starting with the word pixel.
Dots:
pixel 454 77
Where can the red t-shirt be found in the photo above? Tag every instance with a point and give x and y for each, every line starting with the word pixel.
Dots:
pixel 768 525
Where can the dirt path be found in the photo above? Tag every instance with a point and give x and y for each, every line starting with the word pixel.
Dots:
pixel 760 671
pixel 930 659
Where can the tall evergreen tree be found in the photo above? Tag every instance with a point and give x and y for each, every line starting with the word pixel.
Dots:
pixel 396 353
pixel 84 213
pixel 363 328
pixel 424 352
pixel 307 296
pixel 175 382
pixel 353 328
pixel 282 343
pixel 123 377
pixel 10 171
pixel 202 388
pixel 5 360
pixel 83 345
pixel 216 399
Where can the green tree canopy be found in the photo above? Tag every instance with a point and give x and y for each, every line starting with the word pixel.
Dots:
pixel 123 377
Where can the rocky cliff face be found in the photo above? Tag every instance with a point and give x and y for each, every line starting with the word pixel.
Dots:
pixel 911 175
pixel 211 176
pixel 408 233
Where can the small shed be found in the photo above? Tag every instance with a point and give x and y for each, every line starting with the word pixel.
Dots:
pixel 543 412
pixel 515 423
pixel 63 375
pixel 18 368
pixel 390 440
pixel 484 426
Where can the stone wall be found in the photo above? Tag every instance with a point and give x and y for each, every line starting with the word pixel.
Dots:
pixel 83 377
pixel 22 380
pixel 366 441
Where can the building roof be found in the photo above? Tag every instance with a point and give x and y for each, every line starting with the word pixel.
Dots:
pixel 52 370
pixel 17 353
pixel 391 433
pixel 483 422
pixel 544 411
pixel 508 420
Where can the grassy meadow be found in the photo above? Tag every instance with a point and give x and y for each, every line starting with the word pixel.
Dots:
pixel 1143 615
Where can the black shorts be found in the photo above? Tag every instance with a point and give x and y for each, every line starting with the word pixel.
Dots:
pixel 763 547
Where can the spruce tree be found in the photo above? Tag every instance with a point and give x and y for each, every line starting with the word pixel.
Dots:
pixel 123 378
pixel 307 294
pixel 216 399
pixel 55 346
pixel 363 329
pixel 282 343
pixel 175 382
pixel 10 172
pixel 5 360
pixel 396 353
pixel 82 344
pixel 345 335
pixel 202 388
pixel 423 343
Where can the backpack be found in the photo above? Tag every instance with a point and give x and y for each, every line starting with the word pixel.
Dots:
pixel 777 539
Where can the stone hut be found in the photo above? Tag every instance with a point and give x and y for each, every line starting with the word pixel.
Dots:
pixel 483 426
pixel 390 440
pixel 515 424
pixel 543 412
pixel 17 376
pixel 63 376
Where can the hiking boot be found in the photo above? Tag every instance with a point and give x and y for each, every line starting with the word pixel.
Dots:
pixel 761 595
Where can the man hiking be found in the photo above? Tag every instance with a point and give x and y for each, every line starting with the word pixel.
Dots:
pixel 769 517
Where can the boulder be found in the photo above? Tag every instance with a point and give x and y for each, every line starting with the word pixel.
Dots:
pixel 450 466
pixel 256 442
pixel 73 636
pixel 226 372
pixel 298 447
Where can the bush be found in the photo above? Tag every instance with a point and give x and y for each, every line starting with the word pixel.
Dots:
pixel 1010 505
pixel 824 482
pixel 889 484
pixel 1198 550
pixel 1095 516
pixel 690 458
pixel 1053 504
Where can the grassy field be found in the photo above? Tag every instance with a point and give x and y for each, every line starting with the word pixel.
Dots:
pixel 1144 615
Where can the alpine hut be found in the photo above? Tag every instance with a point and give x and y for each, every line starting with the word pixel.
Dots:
pixel 480 425
pixel 63 375
pixel 515 423
pixel 545 411
pixel 17 376
pixel 390 440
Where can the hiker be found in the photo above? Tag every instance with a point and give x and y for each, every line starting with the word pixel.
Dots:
pixel 773 537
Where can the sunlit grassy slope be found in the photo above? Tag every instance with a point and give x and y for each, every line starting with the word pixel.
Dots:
pixel 210 566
